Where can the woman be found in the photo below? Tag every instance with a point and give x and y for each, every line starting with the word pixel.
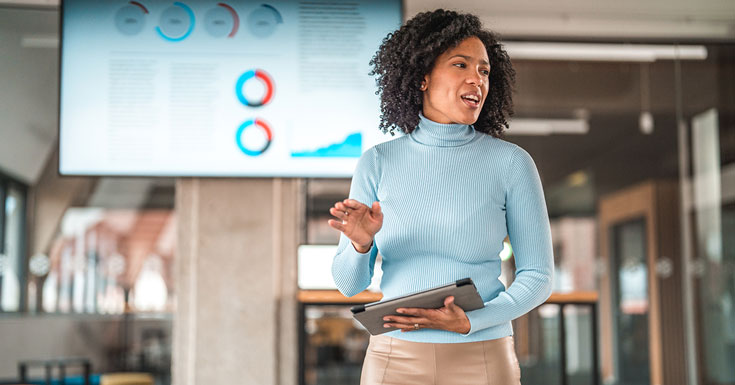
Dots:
pixel 438 203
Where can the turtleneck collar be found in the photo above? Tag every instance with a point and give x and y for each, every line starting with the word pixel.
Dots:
pixel 431 133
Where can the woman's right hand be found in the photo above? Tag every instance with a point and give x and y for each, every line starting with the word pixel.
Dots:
pixel 357 221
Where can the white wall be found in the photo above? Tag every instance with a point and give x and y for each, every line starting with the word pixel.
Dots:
pixel 28 91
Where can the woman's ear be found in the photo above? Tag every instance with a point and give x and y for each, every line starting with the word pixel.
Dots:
pixel 423 83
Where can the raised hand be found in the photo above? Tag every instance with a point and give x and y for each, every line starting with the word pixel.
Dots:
pixel 357 221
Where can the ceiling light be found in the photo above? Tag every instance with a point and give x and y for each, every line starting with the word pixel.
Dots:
pixel 603 52
pixel 548 126
pixel 39 41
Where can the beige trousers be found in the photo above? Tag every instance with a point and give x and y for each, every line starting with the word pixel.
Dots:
pixel 391 361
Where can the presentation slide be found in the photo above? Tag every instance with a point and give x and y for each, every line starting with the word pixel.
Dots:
pixel 231 89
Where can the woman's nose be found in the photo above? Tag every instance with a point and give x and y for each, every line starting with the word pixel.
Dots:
pixel 475 79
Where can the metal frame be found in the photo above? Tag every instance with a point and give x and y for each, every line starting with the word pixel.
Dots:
pixel 563 342
pixel 692 340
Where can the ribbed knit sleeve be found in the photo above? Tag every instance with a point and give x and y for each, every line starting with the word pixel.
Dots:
pixel 528 227
pixel 353 271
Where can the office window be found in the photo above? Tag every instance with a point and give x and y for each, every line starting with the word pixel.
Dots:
pixel 112 255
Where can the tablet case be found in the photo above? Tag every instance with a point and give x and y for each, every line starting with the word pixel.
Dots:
pixel 464 292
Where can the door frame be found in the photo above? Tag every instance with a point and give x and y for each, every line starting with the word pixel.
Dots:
pixel 635 202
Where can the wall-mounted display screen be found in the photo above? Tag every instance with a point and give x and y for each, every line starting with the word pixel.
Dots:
pixel 207 88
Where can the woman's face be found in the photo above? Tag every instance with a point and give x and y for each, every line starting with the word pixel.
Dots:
pixel 457 86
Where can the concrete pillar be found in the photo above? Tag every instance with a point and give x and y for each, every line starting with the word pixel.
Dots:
pixel 236 318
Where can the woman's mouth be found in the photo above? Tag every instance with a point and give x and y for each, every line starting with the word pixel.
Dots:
pixel 471 101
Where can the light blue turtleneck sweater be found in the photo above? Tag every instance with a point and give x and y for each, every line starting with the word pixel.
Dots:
pixel 449 197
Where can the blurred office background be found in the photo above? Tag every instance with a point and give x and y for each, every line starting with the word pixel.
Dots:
pixel 628 109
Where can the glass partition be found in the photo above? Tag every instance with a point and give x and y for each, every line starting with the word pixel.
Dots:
pixel 707 134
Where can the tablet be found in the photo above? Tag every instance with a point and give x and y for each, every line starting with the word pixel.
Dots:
pixel 371 315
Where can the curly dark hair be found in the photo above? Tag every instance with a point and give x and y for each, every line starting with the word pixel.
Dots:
pixel 408 54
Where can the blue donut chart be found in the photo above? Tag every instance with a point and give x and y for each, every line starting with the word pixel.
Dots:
pixel 255 74
pixel 186 34
pixel 254 123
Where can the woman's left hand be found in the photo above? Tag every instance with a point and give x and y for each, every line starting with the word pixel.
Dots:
pixel 450 317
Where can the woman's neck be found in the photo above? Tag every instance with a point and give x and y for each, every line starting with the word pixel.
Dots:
pixel 437 134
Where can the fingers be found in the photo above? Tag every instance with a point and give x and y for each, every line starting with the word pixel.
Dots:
pixel 351 203
pixel 449 301
pixel 403 326
pixel 341 211
pixel 340 206
pixel 338 213
pixel 348 208
pixel 451 306
pixel 337 225
pixel 413 311
pixel 406 324
pixel 406 320
pixel 377 211
pixel 445 318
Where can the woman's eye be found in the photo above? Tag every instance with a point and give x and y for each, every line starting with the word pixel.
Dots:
pixel 460 64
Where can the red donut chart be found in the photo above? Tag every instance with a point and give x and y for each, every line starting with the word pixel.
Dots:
pixel 263 77
pixel 235 19
pixel 254 123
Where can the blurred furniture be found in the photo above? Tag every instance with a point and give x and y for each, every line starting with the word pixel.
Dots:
pixel 48 366
pixel 126 379
pixel 335 342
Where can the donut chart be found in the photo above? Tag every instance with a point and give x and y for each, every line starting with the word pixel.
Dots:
pixel 221 21
pixel 259 75
pixel 264 20
pixel 254 123
pixel 130 19
pixel 176 23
